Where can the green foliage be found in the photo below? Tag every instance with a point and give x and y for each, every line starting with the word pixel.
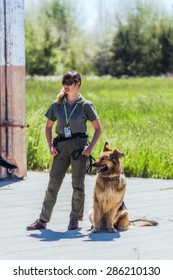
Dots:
pixel 166 43
pixel 35 145
pixel 54 44
pixel 47 37
pixel 136 116
pixel 139 45
pixel 143 46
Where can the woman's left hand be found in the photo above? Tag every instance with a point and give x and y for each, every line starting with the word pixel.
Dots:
pixel 86 151
pixel 98 130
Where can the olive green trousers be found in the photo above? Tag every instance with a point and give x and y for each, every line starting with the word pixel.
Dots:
pixel 57 173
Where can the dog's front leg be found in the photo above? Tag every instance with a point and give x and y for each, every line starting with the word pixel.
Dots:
pixel 96 218
pixel 110 218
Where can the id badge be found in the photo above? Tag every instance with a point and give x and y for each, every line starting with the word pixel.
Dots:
pixel 67 132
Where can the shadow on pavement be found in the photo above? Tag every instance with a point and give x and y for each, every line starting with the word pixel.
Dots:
pixel 8 181
pixel 50 235
pixel 103 236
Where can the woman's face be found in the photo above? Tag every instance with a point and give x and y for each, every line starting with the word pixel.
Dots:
pixel 71 88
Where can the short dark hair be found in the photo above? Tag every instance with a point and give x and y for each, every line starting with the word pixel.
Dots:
pixel 73 76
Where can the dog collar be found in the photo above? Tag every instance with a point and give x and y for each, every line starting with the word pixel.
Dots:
pixel 114 178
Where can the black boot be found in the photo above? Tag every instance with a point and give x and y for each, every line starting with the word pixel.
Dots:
pixel 73 224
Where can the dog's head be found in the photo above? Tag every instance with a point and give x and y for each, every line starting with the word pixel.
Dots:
pixel 109 163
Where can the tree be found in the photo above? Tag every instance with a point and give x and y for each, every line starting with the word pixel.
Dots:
pixel 54 43
pixel 166 43
pixel 136 49
pixel 47 37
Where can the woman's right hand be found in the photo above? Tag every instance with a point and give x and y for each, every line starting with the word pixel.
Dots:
pixel 53 151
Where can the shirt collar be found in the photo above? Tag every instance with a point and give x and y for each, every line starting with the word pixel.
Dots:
pixel 64 101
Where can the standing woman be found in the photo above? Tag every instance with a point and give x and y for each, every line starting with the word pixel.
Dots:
pixel 71 111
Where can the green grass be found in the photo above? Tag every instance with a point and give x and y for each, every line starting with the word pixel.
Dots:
pixel 136 115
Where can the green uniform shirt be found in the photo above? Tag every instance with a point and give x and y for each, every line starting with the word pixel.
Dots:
pixel 83 112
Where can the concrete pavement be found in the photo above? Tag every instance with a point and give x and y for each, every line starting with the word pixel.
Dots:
pixel 21 201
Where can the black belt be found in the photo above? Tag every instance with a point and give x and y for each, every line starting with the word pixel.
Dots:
pixel 61 137
pixel 76 153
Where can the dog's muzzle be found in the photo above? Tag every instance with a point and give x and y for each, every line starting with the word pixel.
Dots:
pixel 101 168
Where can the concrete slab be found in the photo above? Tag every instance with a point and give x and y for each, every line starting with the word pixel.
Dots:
pixel 21 201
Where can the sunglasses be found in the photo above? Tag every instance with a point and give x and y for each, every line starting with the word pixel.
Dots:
pixel 69 82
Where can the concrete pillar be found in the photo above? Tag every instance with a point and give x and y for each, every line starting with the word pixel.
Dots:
pixel 12 86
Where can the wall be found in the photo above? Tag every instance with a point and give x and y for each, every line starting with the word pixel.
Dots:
pixel 12 86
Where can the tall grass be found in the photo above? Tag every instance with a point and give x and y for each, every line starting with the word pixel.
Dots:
pixel 136 115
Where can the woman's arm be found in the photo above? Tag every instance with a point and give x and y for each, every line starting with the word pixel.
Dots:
pixel 97 132
pixel 49 126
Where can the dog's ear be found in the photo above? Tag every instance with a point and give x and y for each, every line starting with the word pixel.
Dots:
pixel 117 154
pixel 106 147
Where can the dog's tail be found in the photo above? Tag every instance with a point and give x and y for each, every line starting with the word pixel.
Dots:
pixel 142 223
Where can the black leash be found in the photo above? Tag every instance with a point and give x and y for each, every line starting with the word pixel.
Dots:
pixel 77 153
pixel 90 164
pixel 7 164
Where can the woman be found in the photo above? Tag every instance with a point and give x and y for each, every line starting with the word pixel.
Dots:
pixel 70 147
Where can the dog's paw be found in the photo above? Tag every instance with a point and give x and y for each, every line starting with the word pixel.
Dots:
pixel 122 228
pixel 95 230
pixel 112 229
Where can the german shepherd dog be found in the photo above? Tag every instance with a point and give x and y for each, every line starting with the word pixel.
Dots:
pixel 109 211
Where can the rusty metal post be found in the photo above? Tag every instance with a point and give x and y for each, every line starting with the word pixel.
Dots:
pixel 12 86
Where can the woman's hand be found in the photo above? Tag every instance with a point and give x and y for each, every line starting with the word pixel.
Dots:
pixel 97 132
pixel 53 151
pixel 87 151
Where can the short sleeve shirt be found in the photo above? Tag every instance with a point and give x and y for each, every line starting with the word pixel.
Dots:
pixel 84 110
